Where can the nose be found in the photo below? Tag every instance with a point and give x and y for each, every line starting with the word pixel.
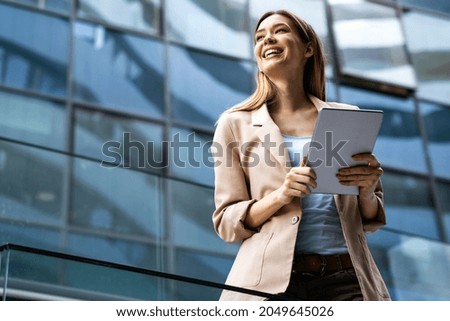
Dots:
pixel 269 39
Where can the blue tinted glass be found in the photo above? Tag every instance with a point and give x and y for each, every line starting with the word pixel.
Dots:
pixel 32 120
pixel 203 86
pixel 46 277
pixel 443 191
pixel 112 248
pixel 438 5
pixel 192 208
pixel 32 185
pixel 143 15
pixel 370 42
pixel 214 25
pixel 405 263
pixel 120 71
pixel 437 120
pixel 409 206
pixel 429 46
pixel 34 234
pixel 115 140
pixel 33 51
pixel 331 91
pixel 205 266
pixel 399 143
pixel 62 6
pixel 190 156
pixel 115 200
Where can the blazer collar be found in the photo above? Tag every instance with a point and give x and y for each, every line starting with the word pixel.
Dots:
pixel 270 134
pixel 262 117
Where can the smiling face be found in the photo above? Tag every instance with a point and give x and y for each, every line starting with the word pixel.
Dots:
pixel 279 51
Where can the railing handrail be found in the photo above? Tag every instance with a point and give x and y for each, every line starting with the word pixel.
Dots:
pixel 50 253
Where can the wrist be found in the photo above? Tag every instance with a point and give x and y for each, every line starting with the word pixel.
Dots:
pixel 367 196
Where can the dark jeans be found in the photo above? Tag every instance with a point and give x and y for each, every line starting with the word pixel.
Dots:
pixel 338 286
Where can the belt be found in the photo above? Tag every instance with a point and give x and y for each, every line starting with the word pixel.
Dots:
pixel 319 265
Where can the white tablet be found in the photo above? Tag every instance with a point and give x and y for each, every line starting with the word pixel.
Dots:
pixel 339 134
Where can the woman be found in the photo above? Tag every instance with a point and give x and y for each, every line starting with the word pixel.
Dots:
pixel 294 243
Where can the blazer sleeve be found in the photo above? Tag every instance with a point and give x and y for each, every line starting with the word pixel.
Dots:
pixel 231 194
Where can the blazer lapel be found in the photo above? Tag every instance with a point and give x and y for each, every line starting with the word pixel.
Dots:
pixel 270 136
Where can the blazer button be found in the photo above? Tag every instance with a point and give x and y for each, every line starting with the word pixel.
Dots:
pixel 294 220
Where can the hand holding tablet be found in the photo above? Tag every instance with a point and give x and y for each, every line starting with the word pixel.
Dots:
pixel 338 135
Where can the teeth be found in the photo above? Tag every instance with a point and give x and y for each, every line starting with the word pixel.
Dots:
pixel 271 51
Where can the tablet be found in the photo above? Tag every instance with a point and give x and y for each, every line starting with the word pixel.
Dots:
pixel 339 134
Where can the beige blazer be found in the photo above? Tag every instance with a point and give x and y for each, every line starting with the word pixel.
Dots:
pixel 250 162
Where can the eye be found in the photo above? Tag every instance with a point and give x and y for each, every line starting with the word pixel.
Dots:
pixel 281 30
pixel 259 37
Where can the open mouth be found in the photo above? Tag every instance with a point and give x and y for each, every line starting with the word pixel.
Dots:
pixel 272 52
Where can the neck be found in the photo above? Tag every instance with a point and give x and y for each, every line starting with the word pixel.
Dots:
pixel 290 97
pixel 291 94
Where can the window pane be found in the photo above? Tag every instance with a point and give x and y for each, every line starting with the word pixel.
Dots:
pixel 33 51
pixel 313 11
pixel 215 25
pixel 28 233
pixel 399 143
pixel 437 120
pixel 427 38
pixel 443 190
pixel 119 141
pixel 190 156
pixel 62 6
pixel 120 71
pixel 32 185
pixel 203 86
pixel 192 209
pixel 142 15
pixel 114 249
pixel 405 263
pixel 115 200
pixel 32 120
pixel 331 91
pixel 408 205
pixel 204 266
pixel 371 43
pixel 438 5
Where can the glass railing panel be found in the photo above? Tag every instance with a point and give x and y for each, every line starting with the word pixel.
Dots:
pixel 33 274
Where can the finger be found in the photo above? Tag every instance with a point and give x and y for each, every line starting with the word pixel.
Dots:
pixel 297 186
pixel 357 183
pixel 297 190
pixel 369 158
pixel 360 170
pixel 359 178
pixel 303 163
pixel 304 171
pixel 302 180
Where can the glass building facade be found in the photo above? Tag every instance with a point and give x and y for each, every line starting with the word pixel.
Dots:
pixel 108 107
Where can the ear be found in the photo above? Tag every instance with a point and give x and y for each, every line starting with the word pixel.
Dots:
pixel 309 50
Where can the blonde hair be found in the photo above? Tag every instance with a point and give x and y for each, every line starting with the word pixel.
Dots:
pixel 314 79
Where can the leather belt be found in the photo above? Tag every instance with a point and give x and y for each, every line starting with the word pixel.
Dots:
pixel 319 265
